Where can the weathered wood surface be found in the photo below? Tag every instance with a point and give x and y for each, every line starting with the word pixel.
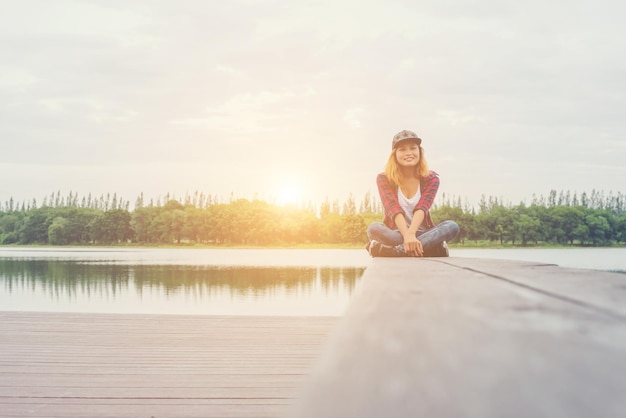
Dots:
pixel 456 337
pixel 91 365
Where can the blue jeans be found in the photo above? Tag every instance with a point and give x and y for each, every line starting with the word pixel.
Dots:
pixel 430 238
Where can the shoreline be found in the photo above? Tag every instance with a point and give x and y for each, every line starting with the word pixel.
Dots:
pixel 476 246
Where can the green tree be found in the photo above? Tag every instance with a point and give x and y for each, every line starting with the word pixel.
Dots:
pixel 564 220
pixel 620 229
pixel 57 232
pixel 141 223
pixel 34 229
pixel 330 228
pixel 9 222
pixel 177 224
pixel 353 229
pixel 112 227
pixel 598 228
pixel 455 214
pixel 529 229
pixel 349 206
pixel 581 233
pixel 192 223
pixel 219 223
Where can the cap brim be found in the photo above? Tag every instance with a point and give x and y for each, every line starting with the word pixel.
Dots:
pixel 418 140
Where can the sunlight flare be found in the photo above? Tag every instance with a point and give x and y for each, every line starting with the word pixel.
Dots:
pixel 289 194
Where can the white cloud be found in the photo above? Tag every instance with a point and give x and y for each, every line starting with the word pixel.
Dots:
pixel 238 72
pixel 16 79
pixel 247 114
pixel 69 18
pixel 353 117
pixel 455 117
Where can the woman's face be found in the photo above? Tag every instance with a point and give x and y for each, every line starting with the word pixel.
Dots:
pixel 408 154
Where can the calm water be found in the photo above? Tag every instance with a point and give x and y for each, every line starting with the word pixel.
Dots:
pixel 179 281
pixel 215 282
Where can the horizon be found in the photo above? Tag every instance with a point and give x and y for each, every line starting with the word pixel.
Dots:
pixel 443 199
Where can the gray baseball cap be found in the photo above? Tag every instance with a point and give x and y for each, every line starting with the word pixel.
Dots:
pixel 404 135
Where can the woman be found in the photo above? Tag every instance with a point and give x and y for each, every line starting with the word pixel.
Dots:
pixel 407 190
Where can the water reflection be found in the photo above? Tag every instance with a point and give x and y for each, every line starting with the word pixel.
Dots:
pixel 103 286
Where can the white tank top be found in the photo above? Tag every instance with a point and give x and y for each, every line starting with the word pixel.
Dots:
pixel 408 205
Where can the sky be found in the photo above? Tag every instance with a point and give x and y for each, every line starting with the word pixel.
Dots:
pixel 298 100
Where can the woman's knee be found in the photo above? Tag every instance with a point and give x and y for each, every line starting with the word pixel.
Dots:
pixel 452 228
pixel 382 233
pixel 374 229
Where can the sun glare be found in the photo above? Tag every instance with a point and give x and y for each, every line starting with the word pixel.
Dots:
pixel 289 195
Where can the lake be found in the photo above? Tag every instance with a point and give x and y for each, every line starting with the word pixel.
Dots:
pixel 216 281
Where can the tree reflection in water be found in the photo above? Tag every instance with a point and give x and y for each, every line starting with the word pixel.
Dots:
pixel 75 279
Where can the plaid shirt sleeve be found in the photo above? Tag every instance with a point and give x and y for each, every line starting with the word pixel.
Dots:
pixel 389 199
pixel 429 187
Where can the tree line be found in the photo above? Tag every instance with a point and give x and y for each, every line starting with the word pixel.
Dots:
pixel 560 218
pixel 240 222
pixel 596 219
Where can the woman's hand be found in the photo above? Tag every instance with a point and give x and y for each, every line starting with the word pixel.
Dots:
pixel 413 246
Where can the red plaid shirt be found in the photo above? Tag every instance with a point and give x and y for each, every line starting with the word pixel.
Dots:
pixel 389 197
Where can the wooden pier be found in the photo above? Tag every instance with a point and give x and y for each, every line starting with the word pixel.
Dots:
pixel 87 365
pixel 440 337
pixel 454 337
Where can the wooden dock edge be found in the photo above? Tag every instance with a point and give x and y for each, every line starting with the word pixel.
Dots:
pixel 462 337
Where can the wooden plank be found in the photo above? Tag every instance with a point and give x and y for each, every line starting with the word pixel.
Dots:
pixel 161 392
pixel 66 364
pixel 598 290
pixel 224 380
pixel 442 337
pixel 70 408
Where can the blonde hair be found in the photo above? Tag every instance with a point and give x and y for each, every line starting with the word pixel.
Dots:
pixel 392 169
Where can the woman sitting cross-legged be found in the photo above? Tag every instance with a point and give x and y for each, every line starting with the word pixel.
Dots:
pixel 407 189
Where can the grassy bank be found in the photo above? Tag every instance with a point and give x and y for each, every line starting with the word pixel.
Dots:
pixel 488 245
